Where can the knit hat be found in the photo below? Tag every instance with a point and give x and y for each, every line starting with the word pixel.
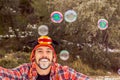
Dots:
pixel 43 41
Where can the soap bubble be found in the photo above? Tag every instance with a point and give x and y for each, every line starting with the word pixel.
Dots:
pixel 43 30
pixel 70 16
pixel 64 55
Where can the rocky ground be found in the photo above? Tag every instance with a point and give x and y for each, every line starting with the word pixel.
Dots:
pixel 106 77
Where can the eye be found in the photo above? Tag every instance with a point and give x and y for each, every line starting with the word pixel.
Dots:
pixel 49 51
pixel 39 51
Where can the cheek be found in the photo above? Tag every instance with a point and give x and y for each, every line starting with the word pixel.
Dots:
pixel 37 57
pixel 51 57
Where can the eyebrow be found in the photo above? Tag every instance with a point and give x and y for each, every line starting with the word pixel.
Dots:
pixel 42 49
pixel 39 49
pixel 49 49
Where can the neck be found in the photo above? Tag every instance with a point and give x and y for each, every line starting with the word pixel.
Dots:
pixel 43 72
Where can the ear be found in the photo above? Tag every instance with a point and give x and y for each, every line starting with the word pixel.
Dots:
pixel 54 59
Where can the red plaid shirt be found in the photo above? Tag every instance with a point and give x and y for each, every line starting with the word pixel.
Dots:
pixel 58 72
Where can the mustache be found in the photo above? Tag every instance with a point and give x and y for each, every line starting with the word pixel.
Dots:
pixel 44 58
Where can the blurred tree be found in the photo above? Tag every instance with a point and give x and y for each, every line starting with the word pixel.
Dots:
pixel 81 37
pixel 84 32
pixel 41 10
pixel 16 15
pixel 11 17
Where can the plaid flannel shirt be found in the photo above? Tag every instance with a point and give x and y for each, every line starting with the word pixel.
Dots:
pixel 58 72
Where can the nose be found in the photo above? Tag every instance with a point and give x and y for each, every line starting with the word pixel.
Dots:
pixel 44 54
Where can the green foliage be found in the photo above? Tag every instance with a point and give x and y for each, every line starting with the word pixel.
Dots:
pixel 8 63
pixel 85 31
pixel 41 10
pixel 82 67
pixel 22 57
pixel 95 57
pixel 2 53
pixel 11 60
pixel 115 61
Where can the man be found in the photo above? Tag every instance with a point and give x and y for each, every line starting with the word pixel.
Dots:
pixel 43 66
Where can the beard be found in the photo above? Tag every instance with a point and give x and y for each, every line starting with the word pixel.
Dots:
pixel 44 63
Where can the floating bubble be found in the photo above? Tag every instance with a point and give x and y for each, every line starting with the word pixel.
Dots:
pixel 64 55
pixel 70 16
pixel 43 30
pixel 119 71
pixel 102 24
pixel 56 17
pixel 77 56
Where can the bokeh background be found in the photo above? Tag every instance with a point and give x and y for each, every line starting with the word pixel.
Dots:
pixel 92 51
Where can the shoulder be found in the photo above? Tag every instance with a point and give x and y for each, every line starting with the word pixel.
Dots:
pixel 62 69
pixel 70 73
pixel 23 66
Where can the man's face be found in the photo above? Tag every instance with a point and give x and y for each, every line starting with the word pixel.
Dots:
pixel 43 57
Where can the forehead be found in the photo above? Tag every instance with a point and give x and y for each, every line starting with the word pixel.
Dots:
pixel 43 48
